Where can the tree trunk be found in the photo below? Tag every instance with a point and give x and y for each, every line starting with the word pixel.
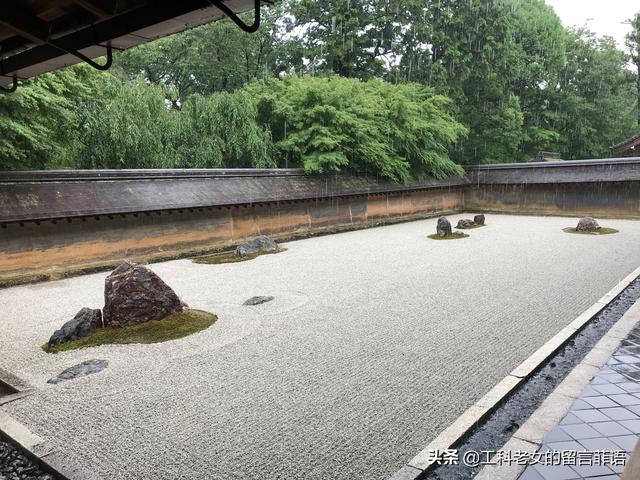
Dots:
pixel 638 88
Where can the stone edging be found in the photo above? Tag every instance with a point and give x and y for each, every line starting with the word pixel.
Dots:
pixel 531 434
pixel 32 445
pixel 454 434
pixel 38 450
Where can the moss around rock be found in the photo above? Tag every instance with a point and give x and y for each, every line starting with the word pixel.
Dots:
pixel 176 325
pixel 599 231
pixel 451 236
pixel 231 257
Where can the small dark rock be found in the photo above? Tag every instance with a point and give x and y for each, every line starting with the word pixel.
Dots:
pixel 87 367
pixel 258 300
pixel 444 227
pixel 587 224
pixel 255 245
pixel 84 323
pixel 478 219
pixel 465 223
pixel 134 294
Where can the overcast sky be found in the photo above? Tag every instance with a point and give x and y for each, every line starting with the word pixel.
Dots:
pixel 604 17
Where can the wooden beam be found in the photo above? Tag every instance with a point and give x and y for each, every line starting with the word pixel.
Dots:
pixel 99 8
pixel 25 24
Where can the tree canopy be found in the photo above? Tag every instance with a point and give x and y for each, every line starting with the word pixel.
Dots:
pixel 395 88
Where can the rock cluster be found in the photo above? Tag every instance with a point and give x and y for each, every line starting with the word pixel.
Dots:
pixel 465 223
pixel 468 223
pixel 587 224
pixel 256 245
pixel 443 228
pixel 132 294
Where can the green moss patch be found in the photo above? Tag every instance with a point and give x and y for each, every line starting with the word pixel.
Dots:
pixel 174 326
pixel 453 236
pixel 600 231
pixel 231 257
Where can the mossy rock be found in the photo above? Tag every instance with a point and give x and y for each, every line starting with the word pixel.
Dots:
pixel 231 257
pixel 451 236
pixel 176 325
pixel 600 231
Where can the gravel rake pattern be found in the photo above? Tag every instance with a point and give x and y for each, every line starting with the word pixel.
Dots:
pixel 375 342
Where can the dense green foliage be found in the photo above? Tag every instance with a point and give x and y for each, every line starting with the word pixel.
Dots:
pixel 591 113
pixel 397 88
pixel 321 124
pixel 328 124
pixel 36 121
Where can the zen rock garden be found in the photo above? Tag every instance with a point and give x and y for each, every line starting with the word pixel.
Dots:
pixel 139 308
pixel 255 247
pixel 277 365
pixel 590 226
pixel 445 232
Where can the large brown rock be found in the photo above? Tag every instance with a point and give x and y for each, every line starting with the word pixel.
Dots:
pixel 587 224
pixel 134 294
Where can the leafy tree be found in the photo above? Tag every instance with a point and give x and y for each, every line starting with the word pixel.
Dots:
pixel 127 126
pixel 211 58
pixel 221 131
pixel 593 104
pixel 538 57
pixel 131 125
pixel 37 121
pixel 351 38
pixel 633 44
pixel 330 124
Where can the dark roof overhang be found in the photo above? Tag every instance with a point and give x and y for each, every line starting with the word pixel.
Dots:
pixel 626 145
pixel 38 36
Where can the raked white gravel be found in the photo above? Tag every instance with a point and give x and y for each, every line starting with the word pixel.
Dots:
pixel 376 341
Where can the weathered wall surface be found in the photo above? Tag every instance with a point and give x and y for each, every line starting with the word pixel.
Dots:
pixel 47 249
pixel 58 223
pixel 599 188
pixel 605 200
